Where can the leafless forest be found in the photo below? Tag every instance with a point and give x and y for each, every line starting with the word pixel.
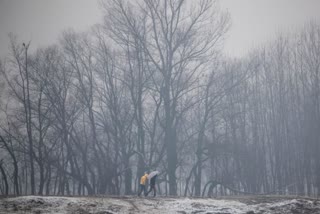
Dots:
pixel 149 89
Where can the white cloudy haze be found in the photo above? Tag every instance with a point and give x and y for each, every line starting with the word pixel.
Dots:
pixel 149 93
pixel 254 22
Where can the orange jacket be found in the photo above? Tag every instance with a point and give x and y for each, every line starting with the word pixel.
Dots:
pixel 143 179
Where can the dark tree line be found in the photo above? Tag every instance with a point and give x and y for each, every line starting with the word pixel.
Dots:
pixel 149 89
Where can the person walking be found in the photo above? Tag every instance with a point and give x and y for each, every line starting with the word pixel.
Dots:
pixel 142 185
pixel 152 177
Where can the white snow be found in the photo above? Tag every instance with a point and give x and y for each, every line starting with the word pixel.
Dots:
pixel 108 205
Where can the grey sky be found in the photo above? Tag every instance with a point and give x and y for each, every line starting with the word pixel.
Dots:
pixel 254 22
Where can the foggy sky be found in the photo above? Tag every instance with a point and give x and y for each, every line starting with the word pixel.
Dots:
pixel 254 22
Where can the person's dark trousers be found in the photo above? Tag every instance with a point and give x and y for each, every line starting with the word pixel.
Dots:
pixel 153 187
pixel 142 189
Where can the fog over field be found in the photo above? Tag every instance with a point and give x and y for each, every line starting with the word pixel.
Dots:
pixel 161 98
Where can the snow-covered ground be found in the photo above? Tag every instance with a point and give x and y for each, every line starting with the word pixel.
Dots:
pixel 108 205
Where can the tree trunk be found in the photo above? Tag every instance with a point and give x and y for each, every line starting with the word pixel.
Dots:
pixel 4 176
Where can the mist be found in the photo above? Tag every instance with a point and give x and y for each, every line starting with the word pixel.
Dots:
pixel 163 86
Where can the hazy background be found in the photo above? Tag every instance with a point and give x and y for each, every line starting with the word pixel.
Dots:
pixel 89 119
pixel 253 21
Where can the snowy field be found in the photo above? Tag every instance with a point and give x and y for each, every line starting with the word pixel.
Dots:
pixel 108 205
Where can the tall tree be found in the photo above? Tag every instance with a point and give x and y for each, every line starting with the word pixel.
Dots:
pixel 178 45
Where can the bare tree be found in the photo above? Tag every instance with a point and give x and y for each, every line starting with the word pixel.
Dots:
pixel 177 48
